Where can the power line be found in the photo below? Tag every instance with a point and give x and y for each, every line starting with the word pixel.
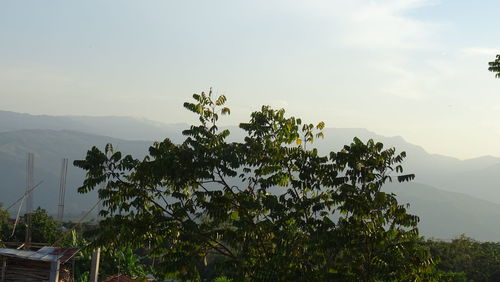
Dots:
pixel 77 224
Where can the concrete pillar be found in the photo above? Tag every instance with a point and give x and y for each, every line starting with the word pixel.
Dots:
pixel 54 271
pixel 94 270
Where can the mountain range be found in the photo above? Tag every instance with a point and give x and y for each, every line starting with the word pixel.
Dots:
pixel 451 196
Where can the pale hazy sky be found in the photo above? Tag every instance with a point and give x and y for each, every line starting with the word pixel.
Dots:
pixel 414 68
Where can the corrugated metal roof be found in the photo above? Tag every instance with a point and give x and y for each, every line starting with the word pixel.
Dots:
pixel 31 255
pixel 48 254
pixel 66 253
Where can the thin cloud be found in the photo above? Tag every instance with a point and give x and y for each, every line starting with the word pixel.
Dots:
pixel 369 24
pixel 479 51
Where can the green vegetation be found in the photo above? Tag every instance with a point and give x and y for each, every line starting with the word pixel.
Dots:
pixel 462 259
pixel 268 208
pixel 114 259
pixel 44 229
pixel 474 261
pixel 4 220
pixel 495 66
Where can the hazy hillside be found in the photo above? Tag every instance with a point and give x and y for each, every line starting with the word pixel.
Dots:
pixel 417 158
pixel 483 183
pixel 444 214
pixel 118 127
pixel 49 147
pixel 477 177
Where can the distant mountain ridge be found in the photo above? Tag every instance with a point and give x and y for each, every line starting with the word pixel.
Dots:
pixel 474 210
pixel 128 128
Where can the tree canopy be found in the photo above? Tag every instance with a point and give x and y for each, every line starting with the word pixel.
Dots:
pixel 44 229
pixel 476 261
pixel 495 66
pixel 269 207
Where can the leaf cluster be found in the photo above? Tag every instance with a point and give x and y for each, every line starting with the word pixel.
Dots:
pixel 494 66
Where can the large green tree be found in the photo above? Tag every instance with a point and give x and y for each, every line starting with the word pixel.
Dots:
pixel 44 228
pixel 269 207
pixel 495 66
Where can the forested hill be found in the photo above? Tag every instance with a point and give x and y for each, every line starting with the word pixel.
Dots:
pixel 444 214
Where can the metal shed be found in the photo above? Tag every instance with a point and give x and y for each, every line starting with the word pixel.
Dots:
pixel 46 264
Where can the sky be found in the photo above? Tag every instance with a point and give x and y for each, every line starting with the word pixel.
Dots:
pixel 410 68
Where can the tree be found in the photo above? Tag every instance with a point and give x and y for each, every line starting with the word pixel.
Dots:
pixel 44 229
pixel 495 66
pixel 4 220
pixel 267 208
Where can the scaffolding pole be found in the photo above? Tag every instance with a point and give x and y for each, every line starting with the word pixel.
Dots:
pixel 62 190
pixel 29 199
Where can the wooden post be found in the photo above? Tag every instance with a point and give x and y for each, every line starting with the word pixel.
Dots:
pixel 94 270
pixel 4 269
pixel 54 271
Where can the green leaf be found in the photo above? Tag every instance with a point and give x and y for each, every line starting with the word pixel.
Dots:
pixel 234 215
